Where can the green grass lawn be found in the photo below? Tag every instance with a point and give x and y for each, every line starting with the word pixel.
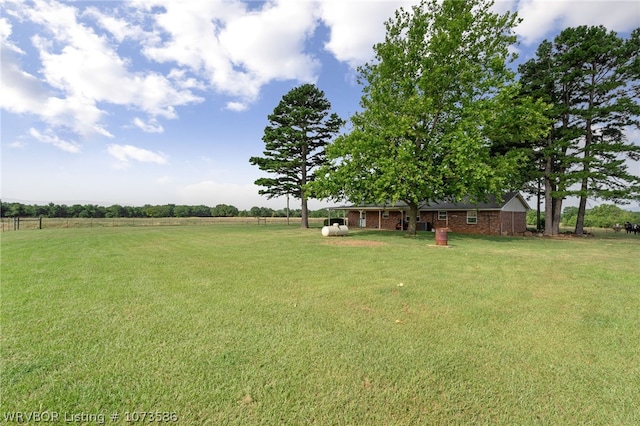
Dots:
pixel 278 325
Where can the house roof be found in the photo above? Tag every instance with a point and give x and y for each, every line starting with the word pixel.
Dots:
pixel 492 203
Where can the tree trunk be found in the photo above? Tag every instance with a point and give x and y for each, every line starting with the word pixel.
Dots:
pixel 538 203
pixel 548 201
pixel 557 213
pixel 586 166
pixel 304 223
pixel 584 185
pixel 552 210
pixel 582 207
pixel 580 218
pixel 413 212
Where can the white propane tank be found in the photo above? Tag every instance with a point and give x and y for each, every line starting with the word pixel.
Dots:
pixel 335 230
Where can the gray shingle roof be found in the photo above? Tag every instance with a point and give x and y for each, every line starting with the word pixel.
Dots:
pixel 491 203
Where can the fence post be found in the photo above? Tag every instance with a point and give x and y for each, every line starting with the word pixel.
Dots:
pixel 40 222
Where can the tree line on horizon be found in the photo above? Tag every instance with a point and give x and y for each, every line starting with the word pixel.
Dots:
pixel 445 116
pixel 602 216
pixel 53 210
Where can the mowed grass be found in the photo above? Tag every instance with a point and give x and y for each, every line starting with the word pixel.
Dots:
pixel 278 325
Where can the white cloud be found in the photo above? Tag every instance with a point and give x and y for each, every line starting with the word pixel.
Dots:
pixel 234 49
pixel 182 79
pixel 120 29
pixel 80 70
pixel 225 46
pixel 150 127
pixel 154 56
pixel 5 32
pixel 543 17
pixel 88 67
pixel 125 153
pixel 237 106
pixel 269 44
pixel 54 140
pixel 21 91
pixel 356 26
pixel 16 144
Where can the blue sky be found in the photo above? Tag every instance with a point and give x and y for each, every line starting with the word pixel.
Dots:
pixel 160 101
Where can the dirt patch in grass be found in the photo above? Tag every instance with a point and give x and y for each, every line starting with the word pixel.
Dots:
pixel 353 243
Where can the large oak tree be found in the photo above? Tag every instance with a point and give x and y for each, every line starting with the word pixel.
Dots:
pixel 299 129
pixel 439 89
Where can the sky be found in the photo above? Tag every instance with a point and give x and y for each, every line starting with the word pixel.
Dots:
pixel 164 101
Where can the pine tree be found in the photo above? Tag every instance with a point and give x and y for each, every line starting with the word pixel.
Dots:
pixel 299 129
pixel 590 77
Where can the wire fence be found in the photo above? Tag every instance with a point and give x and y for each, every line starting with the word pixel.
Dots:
pixel 15 224
pixel 32 223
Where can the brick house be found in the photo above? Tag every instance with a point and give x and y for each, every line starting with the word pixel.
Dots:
pixel 505 217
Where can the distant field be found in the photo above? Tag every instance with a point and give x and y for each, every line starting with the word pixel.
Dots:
pixel 278 325
pixel 8 224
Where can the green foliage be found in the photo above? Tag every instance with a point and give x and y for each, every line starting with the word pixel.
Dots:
pixel 224 210
pixel 569 215
pixel 590 78
pixel 434 99
pixel 603 108
pixel 602 216
pixel 532 219
pixel 169 210
pixel 115 210
pixel 166 210
pixel 299 129
pixel 261 211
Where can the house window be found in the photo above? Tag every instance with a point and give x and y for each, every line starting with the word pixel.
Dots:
pixel 442 215
pixel 472 217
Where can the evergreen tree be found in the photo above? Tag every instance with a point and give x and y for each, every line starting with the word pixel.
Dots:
pixel 590 76
pixel 299 129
